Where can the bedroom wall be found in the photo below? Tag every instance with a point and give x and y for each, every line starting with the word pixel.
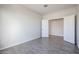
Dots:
pixel 18 25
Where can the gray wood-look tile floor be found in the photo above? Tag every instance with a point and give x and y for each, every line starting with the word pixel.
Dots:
pixel 51 45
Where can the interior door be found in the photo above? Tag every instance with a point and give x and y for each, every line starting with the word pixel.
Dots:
pixel 69 29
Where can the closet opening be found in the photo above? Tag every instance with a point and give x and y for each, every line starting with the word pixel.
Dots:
pixel 56 31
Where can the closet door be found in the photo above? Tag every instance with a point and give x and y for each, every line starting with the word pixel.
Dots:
pixel 69 29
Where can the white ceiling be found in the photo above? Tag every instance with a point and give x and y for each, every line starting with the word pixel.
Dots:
pixel 39 8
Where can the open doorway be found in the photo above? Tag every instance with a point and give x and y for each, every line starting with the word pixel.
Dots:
pixel 56 31
pixel 60 28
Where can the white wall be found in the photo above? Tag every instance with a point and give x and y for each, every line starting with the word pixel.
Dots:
pixel 18 25
pixel 56 27
pixel 69 29
pixel 60 14
pixel 45 28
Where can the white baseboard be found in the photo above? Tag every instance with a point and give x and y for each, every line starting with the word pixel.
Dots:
pixel 18 43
